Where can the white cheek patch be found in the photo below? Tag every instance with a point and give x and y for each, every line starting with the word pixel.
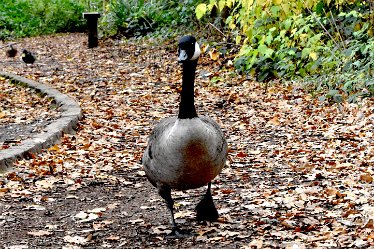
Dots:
pixel 197 52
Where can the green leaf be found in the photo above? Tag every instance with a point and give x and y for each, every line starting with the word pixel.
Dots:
pixel 221 5
pixel 332 93
pixel 302 72
pixel 212 2
pixel 232 25
pixel 230 3
pixel 200 10
pixel 319 7
pixel 291 52
pixel 216 79
pixel 275 10
pixel 305 52
pixel 263 49
pixel 238 39
pixel 269 39
pixel 313 55
pixel 282 33
pixel 287 24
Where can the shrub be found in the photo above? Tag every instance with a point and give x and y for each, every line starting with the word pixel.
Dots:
pixel 30 18
pixel 139 17
pixel 304 40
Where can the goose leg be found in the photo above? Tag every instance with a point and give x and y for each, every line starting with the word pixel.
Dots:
pixel 205 209
pixel 165 193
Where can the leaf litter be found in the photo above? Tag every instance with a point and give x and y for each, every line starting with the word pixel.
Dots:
pixel 23 112
pixel 299 174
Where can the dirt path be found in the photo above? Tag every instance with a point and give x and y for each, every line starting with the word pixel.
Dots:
pixel 300 172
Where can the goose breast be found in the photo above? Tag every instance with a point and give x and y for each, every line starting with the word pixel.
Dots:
pixel 185 153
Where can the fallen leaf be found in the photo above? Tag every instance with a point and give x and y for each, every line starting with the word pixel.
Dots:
pixel 4 190
pixel 256 244
pixel 274 121
pixel 90 217
pixel 97 210
pixel 75 239
pixel 81 215
pixel 241 154
pixel 213 54
pixel 46 183
pixel 136 221
pixel 39 233
pixel 331 192
pixel 182 214
pixel 18 247
pixel 161 230
pixel 113 238
pixel 367 177
pixel 54 148
pixel 34 207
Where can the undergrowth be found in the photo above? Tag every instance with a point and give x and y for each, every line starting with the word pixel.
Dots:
pixel 325 45
pixel 141 17
pixel 24 18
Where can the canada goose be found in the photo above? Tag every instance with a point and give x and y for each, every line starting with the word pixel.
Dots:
pixel 28 57
pixel 11 52
pixel 186 151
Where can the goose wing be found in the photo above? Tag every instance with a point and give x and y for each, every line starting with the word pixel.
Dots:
pixel 221 140
pixel 153 143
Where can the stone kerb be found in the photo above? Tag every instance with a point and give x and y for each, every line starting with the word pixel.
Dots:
pixel 70 115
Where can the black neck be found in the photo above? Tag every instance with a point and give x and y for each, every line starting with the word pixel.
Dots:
pixel 187 105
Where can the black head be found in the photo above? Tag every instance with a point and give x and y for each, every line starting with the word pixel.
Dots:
pixel 188 49
pixel 28 57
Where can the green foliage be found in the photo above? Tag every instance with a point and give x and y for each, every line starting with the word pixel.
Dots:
pixel 304 40
pixel 139 17
pixel 21 18
pixel 29 18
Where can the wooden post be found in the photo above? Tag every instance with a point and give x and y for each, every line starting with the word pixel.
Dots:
pixel 92 18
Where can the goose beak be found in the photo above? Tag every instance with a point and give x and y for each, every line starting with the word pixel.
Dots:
pixel 182 55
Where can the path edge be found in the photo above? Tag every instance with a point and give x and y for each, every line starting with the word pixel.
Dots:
pixel 71 113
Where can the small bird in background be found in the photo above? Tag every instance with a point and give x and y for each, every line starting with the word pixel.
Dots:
pixel 11 52
pixel 28 57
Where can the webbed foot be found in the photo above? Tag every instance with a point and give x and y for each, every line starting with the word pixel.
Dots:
pixel 206 209
pixel 177 233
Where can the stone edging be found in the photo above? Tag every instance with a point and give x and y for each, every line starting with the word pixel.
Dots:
pixel 70 114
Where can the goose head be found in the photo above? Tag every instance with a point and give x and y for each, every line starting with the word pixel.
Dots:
pixel 188 49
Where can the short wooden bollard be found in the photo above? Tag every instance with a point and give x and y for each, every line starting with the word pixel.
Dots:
pixel 92 18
